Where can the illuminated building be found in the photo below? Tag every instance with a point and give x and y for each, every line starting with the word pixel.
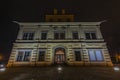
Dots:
pixel 59 40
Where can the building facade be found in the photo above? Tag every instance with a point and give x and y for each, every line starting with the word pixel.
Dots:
pixel 47 43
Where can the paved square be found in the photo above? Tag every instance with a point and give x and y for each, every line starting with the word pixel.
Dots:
pixel 60 73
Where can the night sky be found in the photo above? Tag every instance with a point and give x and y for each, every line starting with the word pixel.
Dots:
pixel 35 10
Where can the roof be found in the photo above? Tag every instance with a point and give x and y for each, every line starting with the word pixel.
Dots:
pixel 61 23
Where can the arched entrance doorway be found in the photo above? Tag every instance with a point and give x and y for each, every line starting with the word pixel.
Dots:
pixel 59 57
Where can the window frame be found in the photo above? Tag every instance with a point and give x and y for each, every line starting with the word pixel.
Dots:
pixel 28 36
pixel 42 50
pixel 42 38
pixel 80 55
pixel 73 36
pixel 95 54
pixel 23 56
pixel 90 35
pixel 59 37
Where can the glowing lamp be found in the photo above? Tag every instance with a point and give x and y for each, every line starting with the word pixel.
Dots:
pixel 2 69
pixel 116 68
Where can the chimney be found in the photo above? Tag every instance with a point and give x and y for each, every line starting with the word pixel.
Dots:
pixel 63 11
pixel 55 11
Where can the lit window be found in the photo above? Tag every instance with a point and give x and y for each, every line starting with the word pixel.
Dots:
pixel 23 55
pixel 90 35
pixel 95 55
pixel 77 55
pixel 59 35
pixel 28 36
pixel 44 35
pixel 92 55
pixel 75 35
pixel 41 56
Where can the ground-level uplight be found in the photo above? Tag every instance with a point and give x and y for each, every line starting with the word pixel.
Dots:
pixel 116 68
pixel 59 68
pixel 2 69
pixel 1 65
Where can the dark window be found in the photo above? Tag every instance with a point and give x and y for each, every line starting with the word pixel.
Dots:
pixel 56 35
pixel 41 56
pixel 20 56
pixel 77 56
pixel 62 35
pixel 59 35
pixel 28 36
pixel 95 55
pixel 25 36
pixel 87 35
pixel 44 35
pixel 26 56
pixel 75 35
pixel 93 35
pixel 90 35
pixel 23 56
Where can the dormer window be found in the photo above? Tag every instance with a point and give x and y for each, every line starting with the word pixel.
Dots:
pixel 43 35
pixel 75 35
pixel 28 35
pixel 90 35
pixel 59 35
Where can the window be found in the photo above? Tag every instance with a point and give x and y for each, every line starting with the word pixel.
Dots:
pixel 44 35
pixel 28 36
pixel 95 55
pixel 56 35
pixel 62 35
pixel 77 56
pixel 90 35
pixel 59 35
pixel 20 56
pixel 41 56
pixel 75 35
pixel 26 56
pixel 23 55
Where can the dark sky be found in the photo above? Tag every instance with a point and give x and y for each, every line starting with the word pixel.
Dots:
pixel 34 11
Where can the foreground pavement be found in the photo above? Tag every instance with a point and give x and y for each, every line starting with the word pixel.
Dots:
pixel 60 73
